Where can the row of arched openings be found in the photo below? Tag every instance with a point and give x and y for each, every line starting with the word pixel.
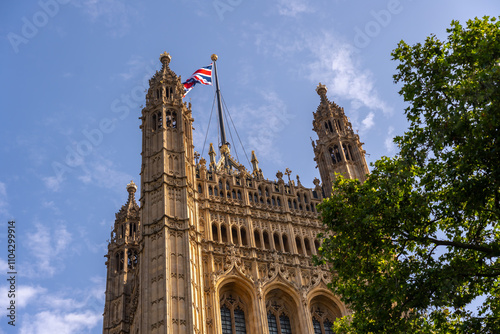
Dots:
pixel 329 127
pixel 170 120
pixel 122 228
pixel 132 260
pixel 336 155
pixel 280 242
pixel 168 92
pixel 279 312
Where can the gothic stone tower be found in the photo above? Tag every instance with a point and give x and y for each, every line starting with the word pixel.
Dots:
pixel 338 149
pixel 219 249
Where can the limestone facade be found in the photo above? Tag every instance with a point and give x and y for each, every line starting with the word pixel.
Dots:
pixel 215 248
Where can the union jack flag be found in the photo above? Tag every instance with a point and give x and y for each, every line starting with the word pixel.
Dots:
pixel 203 76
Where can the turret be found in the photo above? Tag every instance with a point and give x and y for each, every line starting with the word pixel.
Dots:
pixel 122 264
pixel 338 149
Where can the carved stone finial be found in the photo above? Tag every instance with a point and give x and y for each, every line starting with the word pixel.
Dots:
pixel 131 187
pixel 321 89
pixel 279 175
pixel 165 58
pixel 316 181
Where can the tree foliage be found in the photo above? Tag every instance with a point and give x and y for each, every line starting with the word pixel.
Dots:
pixel 415 248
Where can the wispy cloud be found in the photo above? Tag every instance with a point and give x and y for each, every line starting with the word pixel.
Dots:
pixel 330 60
pixel 66 311
pixel 46 246
pixel 264 123
pixel 335 64
pixel 3 199
pixel 104 173
pixel 294 7
pixel 115 14
pixel 25 294
pixel 53 183
pixel 49 322
pixel 368 122
pixel 389 143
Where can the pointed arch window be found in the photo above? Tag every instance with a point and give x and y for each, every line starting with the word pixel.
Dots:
pixel 278 320
pixel 322 320
pixel 349 148
pixel 159 120
pixel 243 233
pixel 215 232
pixel 232 315
pixel 265 236
pixel 171 119
pixel 346 152
pixel 234 234
pixel 277 245
pixel 256 236
pixel 330 126
pixel 285 243
pixel 336 151
pixel 223 233
pixel 298 243
pixel 132 259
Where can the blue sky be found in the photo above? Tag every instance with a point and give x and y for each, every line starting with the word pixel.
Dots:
pixel 73 75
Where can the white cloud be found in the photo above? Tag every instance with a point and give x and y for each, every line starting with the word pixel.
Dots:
pixel 47 248
pixel 3 199
pixel 389 144
pixel 103 173
pixel 49 322
pixel 368 121
pixel 264 124
pixel 3 266
pixel 294 7
pixel 25 294
pixel 335 64
pixel 53 183
pixel 329 60
pixel 55 312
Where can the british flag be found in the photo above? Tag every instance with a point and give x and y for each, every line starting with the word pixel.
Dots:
pixel 203 76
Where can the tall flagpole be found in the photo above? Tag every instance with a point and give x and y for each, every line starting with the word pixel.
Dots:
pixel 219 104
pixel 224 148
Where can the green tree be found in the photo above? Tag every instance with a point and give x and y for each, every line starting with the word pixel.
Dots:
pixel 416 247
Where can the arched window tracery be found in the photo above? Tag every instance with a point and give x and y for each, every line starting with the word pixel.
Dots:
pixel 322 319
pixel 171 119
pixel 232 311
pixel 278 317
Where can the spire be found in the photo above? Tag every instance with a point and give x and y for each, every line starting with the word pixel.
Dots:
pixel 211 153
pixel 255 162
pixel 130 208
pixel 321 90
pixel 165 59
